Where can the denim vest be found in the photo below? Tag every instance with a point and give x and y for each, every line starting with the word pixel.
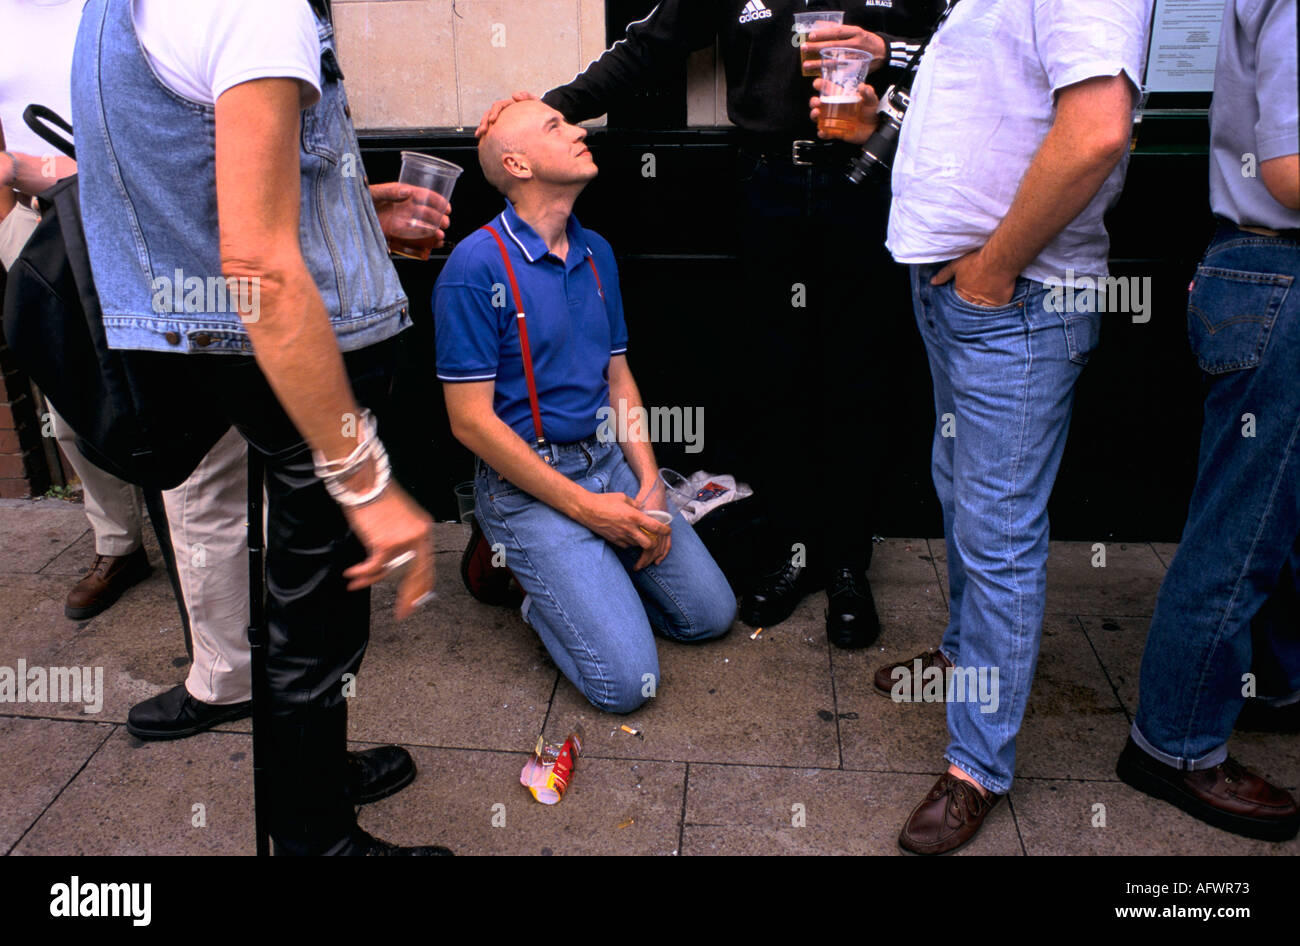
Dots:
pixel 146 164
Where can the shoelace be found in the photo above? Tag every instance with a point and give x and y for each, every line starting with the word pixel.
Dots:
pixel 843 581
pixel 964 799
pixel 1233 771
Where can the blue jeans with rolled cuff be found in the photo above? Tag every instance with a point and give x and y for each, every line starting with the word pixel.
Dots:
pixel 595 615
pixel 1003 391
pixel 1243 322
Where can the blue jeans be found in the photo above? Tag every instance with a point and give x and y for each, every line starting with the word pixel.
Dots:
pixel 1243 321
pixel 1003 390
pixel 592 611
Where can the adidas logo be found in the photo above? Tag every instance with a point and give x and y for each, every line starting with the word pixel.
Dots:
pixel 754 10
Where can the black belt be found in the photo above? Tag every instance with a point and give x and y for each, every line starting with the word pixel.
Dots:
pixel 800 152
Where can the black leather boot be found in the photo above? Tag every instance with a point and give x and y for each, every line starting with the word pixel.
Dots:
pixel 367 845
pixel 851 619
pixel 379 772
pixel 776 594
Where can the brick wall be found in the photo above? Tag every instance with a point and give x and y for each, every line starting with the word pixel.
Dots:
pixel 23 470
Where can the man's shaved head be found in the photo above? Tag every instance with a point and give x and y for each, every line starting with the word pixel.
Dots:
pixel 518 137
pixel 502 138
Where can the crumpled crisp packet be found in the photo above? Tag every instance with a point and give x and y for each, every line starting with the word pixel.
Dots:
pixel 550 769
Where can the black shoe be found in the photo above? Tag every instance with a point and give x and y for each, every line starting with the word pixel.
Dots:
pixel 378 773
pixel 851 619
pixel 1261 716
pixel 175 714
pixel 776 594
pixel 367 845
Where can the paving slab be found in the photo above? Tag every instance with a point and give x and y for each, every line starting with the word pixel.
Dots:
pixel 1118 641
pixel 727 700
pixel 36 531
pixel 756 810
pixel 451 537
pixel 1165 551
pixel 75 560
pixel 1074 724
pixel 1063 817
pixel 34 627
pixel 138 797
pixel 458 674
pixel 472 802
pixel 903 576
pixel 42 756
pixel 878 734
pixel 1126 584
pixel 139 642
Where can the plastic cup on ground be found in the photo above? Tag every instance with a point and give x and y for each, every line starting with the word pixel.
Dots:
pixel 433 180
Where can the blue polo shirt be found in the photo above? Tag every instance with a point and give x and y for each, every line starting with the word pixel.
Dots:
pixel 572 331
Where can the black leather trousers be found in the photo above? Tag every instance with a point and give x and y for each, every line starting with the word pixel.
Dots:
pixel 317 630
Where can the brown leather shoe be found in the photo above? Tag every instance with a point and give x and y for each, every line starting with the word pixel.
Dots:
pixel 886 679
pixel 1228 796
pixel 104 583
pixel 946 818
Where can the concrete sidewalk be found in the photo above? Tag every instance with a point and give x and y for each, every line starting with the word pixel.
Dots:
pixel 772 746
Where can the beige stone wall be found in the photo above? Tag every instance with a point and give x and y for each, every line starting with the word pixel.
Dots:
pixel 440 63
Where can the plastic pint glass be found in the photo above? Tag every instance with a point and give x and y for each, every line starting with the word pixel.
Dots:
pixel 805 23
pixel 432 180
pixel 843 70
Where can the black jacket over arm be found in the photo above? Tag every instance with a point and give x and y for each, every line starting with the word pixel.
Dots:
pixel 765 91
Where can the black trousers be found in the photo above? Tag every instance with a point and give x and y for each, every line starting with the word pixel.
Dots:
pixel 317 630
pixel 821 298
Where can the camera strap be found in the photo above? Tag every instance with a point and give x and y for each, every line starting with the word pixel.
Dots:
pixel 522 321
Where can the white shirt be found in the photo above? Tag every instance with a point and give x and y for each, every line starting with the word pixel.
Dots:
pixel 36 40
pixel 201 48
pixel 982 103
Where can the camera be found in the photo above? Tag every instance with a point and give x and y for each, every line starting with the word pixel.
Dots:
pixel 878 153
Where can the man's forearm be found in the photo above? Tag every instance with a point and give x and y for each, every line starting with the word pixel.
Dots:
pixel 1057 187
pixel 663 39
pixel 1078 154
pixel 298 352
pixel 505 451
pixel 624 396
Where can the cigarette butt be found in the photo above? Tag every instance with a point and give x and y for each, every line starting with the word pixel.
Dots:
pixel 629 821
pixel 630 731
pixel 754 636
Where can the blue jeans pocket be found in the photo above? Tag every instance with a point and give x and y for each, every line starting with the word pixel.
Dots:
pixel 1082 333
pixel 1017 299
pixel 1230 315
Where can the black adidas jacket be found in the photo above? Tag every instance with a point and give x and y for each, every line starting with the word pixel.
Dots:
pixel 765 91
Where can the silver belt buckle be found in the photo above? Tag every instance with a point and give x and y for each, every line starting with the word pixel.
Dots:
pixel 794 152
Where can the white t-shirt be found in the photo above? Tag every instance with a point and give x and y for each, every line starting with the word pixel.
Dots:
pixel 982 103
pixel 36 41
pixel 201 48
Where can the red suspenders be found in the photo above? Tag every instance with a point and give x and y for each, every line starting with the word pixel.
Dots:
pixel 523 330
